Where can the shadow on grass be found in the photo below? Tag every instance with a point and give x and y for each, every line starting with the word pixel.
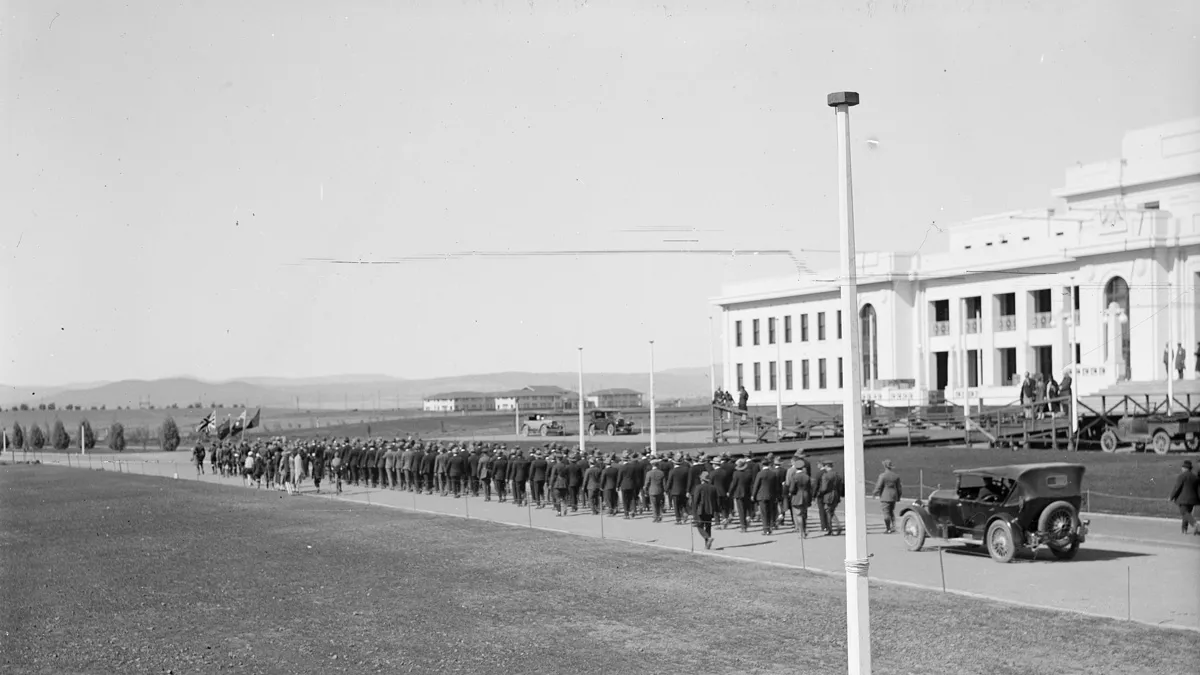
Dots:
pixel 753 543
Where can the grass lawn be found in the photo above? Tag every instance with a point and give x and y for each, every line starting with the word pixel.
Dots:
pixel 105 572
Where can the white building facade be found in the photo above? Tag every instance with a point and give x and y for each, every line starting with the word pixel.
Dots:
pixel 1111 277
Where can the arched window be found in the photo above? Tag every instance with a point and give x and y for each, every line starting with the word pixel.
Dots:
pixel 870 345
pixel 1116 292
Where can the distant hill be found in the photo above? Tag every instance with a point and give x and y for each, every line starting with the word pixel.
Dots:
pixel 364 392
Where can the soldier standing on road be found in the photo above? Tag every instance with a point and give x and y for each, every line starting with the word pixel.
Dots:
pixel 428 464
pixel 316 459
pixel 799 490
pixel 830 490
pixel 677 487
pixel 740 491
pixel 1186 495
pixel 656 488
pixel 538 469
pixel 592 479
pixel 561 483
pixel 608 483
pixel 198 458
pixel 629 483
pixel 484 472
pixel 766 490
pixel 473 470
pixel 888 491
pixel 704 507
pixel 500 474
pixel 722 477
pixel 518 473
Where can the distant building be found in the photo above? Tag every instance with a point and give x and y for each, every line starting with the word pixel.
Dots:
pixel 458 401
pixel 537 397
pixel 615 398
pixel 1108 280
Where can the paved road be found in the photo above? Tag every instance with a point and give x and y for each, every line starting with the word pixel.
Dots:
pixel 1139 568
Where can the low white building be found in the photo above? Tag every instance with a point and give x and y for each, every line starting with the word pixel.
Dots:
pixel 1109 278
pixel 619 397
pixel 458 401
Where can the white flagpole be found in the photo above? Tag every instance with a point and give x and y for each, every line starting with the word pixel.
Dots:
pixel 582 431
pixel 653 439
pixel 858 611
pixel 779 373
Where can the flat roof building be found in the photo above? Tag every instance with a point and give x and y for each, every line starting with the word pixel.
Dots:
pixel 1110 279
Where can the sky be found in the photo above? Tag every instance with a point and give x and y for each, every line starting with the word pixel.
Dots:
pixel 173 172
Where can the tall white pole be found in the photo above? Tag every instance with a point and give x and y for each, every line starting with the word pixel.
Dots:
pixel 582 430
pixel 779 374
pixel 858 613
pixel 1170 355
pixel 1074 365
pixel 653 441
pixel 712 360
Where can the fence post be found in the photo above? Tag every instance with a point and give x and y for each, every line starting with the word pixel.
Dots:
pixel 922 493
pixel 1128 594
pixel 942 565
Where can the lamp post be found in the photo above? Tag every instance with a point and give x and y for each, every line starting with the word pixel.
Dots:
pixel 858 616
pixel 778 375
pixel 1074 319
pixel 653 441
pixel 582 431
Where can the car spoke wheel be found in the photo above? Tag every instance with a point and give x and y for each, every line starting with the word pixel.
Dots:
pixel 611 430
pixel 545 430
pixel 1001 543
pixel 591 430
pixel 1162 442
pixel 1058 524
pixel 525 430
pixel 913 530
pixel 1192 443
pixel 1108 441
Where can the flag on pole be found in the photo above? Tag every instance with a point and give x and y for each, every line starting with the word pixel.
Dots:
pixel 206 424
pixel 254 420
pixel 239 424
pixel 223 430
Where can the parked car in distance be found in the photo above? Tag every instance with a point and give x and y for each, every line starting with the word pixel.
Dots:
pixel 1005 508
pixel 540 425
pixel 611 422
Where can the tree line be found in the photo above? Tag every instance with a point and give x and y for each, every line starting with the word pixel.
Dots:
pixel 35 438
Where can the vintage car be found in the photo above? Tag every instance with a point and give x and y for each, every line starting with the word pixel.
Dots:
pixel 540 425
pixel 611 422
pixel 1005 508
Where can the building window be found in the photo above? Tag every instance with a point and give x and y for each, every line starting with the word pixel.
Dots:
pixel 737 333
pixel 839 324
pixel 741 377
pixel 757 376
pixel 820 325
pixel 787 329
pixel 821 373
pixel 804 328
pixel 771 331
pixel 787 375
pixel 1006 319
pixel 756 332
pixel 974 311
pixel 840 385
pixel 804 374
pixel 771 375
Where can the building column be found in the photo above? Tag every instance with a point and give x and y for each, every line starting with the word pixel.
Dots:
pixel 1022 317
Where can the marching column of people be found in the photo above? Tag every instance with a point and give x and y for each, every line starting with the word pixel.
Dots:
pixel 705 491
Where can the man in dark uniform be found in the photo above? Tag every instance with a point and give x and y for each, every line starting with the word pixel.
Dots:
pixel 537 478
pixel 428 466
pixel 740 491
pixel 766 493
pixel 656 487
pixel 830 489
pixel 574 481
pixel 722 477
pixel 439 471
pixel 1186 495
pixel 704 507
pixel 799 490
pixel 456 470
pixel 483 472
pixel 888 491
pixel 608 484
pixel 500 474
pixel 473 470
pixel 518 475
pixel 700 465
pixel 416 457
pixel 627 483
pixel 591 485
pixel 381 473
pixel 677 484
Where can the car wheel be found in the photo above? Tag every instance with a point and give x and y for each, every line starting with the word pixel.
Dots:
pixel 591 430
pixel 1162 442
pixel 1058 524
pixel 545 430
pixel 611 430
pixel 525 430
pixel 1192 443
pixel 913 530
pixel 1108 441
pixel 1001 542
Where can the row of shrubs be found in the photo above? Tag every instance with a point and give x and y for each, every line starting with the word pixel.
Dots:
pixel 58 438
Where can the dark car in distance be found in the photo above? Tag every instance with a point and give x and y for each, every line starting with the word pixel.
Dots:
pixel 611 422
pixel 1005 508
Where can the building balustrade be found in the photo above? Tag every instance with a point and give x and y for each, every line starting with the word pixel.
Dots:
pixel 1006 323
pixel 1042 320
pixel 972 326
pixel 941 328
